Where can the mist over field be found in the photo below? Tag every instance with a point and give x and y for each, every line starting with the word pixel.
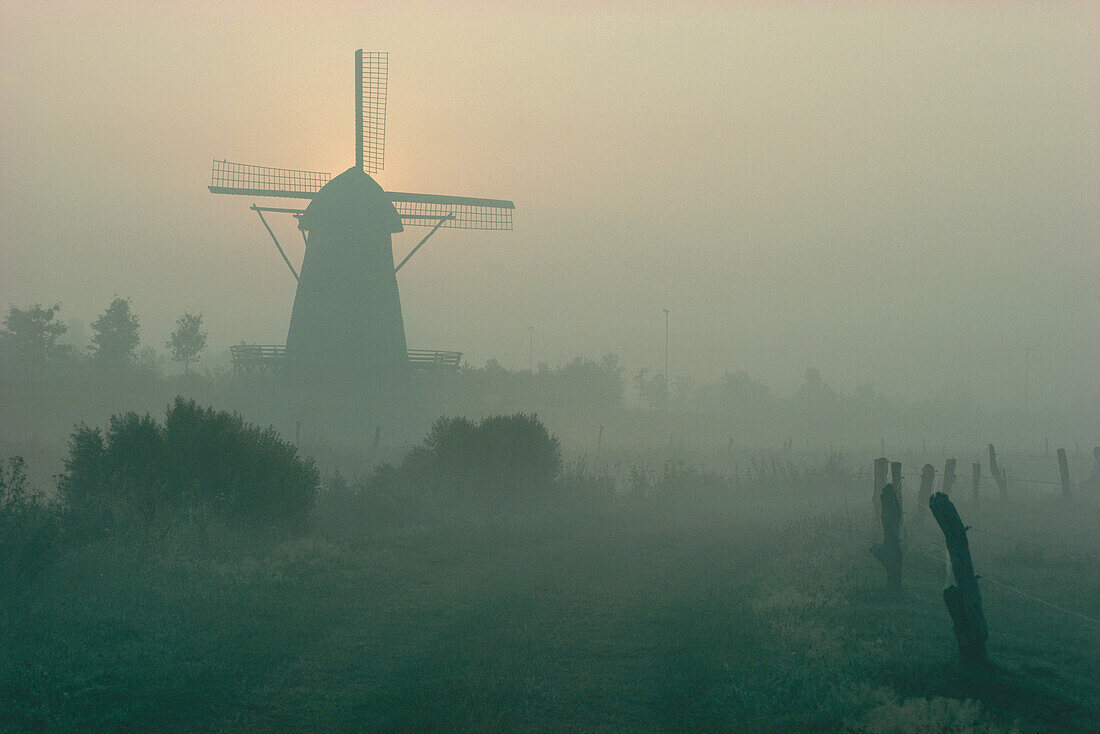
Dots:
pixel 708 302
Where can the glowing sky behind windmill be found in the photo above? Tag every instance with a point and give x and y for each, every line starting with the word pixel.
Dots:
pixel 898 194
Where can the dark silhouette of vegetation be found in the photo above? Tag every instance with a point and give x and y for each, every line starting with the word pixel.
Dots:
pixel 199 459
pixel 652 388
pixel 116 334
pixel 581 384
pixel 29 337
pixel 503 458
pixel 28 526
pixel 187 341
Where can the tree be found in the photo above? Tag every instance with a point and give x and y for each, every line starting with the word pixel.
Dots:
pixel 813 390
pixel 116 336
pixel 188 340
pixel 652 389
pixel 30 334
pixel 740 390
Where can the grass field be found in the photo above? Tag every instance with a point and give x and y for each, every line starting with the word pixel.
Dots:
pixel 725 614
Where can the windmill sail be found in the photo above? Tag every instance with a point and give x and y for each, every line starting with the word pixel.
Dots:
pixel 426 210
pixel 372 70
pixel 466 212
pixel 227 177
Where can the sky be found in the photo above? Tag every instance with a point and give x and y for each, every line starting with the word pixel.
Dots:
pixel 899 194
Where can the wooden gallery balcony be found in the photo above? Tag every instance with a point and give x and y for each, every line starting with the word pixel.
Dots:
pixel 263 358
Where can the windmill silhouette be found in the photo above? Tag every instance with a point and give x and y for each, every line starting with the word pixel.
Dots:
pixel 346 320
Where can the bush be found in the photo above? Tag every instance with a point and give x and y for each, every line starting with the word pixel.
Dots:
pixel 199 460
pixel 499 456
pixel 501 459
pixel 28 527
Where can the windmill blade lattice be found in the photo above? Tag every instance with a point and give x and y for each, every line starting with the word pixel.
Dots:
pixel 372 70
pixel 227 177
pixel 461 212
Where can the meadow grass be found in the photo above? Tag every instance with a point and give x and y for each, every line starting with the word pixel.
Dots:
pixel 633 615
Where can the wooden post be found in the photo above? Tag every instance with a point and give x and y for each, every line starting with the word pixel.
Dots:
pixel 878 479
pixel 297 433
pixel 975 485
pixel 927 478
pixel 948 476
pixel 599 440
pixel 895 479
pixel 377 438
pixel 889 552
pixel 963 599
pixel 1063 474
pixel 998 474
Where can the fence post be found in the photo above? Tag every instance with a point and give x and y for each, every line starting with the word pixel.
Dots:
pixel 889 552
pixel 948 476
pixel 963 599
pixel 998 474
pixel 1063 474
pixel 895 479
pixel 976 481
pixel 927 479
pixel 878 479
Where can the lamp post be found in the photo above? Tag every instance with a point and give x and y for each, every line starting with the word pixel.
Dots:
pixel 531 349
pixel 668 382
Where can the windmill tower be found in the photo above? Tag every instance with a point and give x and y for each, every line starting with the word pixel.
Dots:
pixel 346 320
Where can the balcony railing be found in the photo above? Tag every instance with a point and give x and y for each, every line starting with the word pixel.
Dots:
pixel 265 357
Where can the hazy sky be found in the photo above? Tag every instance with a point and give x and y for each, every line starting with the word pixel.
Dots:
pixel 903 194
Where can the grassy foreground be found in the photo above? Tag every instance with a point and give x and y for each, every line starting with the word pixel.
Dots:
pixel 627 618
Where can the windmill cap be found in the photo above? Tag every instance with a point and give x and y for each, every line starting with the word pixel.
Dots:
pixel 352 201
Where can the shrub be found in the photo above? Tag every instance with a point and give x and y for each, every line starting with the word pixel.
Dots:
pixel 199 459
pixel 28 527
pixel 503 456
pixel 501 459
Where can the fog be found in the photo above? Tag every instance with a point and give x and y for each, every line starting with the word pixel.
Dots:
pixel 679 443
pixel 903 196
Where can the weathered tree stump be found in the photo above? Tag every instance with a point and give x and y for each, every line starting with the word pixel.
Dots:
pixel 927 479
pixel 948 476
pixel 889 552
pixel 963 600
pixel 998 475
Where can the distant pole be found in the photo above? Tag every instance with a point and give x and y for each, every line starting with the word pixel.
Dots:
pixel 531 349
pixel 1027 381
pixel 668 381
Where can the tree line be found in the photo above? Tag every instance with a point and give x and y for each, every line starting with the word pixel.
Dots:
pixel 31 338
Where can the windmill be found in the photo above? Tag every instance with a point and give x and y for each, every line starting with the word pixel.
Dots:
pixel 346 319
